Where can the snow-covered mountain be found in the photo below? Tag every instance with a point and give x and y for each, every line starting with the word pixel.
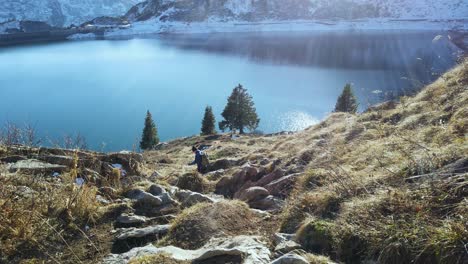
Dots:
pixel 258 10
pixel 62 12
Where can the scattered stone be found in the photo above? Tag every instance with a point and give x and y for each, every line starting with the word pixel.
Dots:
pixel 102 200
pixel 131 220
pixel 32 166
pixel 290 259
pixel 270 203
pixel 253 194
pixel 189 198
pixel 132 232
pixel 273 176
pixel 282 237
pixel 156 189
pixel 161 146
pixel 230 185
pixel 240 249
pixel 144 198
pixel 287 246
pixel 167 199
pixel 282 186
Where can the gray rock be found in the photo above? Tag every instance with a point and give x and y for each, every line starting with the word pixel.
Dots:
pixel 282 186
pixel 270 203
pixel 57 159
pixel 253 194
pixel 127 219
pixel 161 146
pixel 102 200
pixel 287 246
pixel 290 259
pixel 249 248
pixel 144 198
pixel 156 189
pixel 167 199
pixel 132 232
pixel 282 237
pixel 131 255
pixel 32 166
pixel 273 176
pixel 189 198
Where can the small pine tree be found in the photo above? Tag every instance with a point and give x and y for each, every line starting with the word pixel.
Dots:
pixel 240 112
pixel 149 138
pixel 347 101
pixel 208 123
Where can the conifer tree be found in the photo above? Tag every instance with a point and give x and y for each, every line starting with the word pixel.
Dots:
pixel 149 138
pixel 240 112
pixel 208 123
pixel 346 101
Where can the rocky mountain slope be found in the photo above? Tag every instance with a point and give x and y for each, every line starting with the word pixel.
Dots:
pixel 61 13
pixel 260 10
pixel 387 186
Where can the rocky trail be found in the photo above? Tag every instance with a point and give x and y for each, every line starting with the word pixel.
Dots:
pixel 145 213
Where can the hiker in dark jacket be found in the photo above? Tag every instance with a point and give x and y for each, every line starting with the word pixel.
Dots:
pixel 198 159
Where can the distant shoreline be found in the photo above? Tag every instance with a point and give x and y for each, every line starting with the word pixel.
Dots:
pixel 458 27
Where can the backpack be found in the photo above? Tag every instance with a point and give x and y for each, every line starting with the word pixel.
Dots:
pixel 205 160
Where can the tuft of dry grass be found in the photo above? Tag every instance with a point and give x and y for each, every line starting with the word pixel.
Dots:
pixel 157 259
pixel 194 182
pixel 197 224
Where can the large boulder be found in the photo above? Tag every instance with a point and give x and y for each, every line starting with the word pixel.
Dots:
pixel 239 249
pixel 253 194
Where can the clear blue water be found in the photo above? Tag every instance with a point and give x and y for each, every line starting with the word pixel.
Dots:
pixel 103 88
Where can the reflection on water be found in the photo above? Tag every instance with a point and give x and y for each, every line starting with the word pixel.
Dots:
pixel 102 89
pixel 296 121
pixel 415 58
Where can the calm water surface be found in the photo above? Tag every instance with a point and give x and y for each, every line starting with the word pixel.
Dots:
pixel 102 89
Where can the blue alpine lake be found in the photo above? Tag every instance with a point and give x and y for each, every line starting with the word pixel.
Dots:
pixel 103 88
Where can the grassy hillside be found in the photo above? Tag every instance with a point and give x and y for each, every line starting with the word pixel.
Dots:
pixel 388 185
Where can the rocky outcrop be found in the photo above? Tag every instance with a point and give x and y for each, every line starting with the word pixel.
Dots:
pixel 36 167
pixel 240 249
pixel 129 238
pixel 189 198
pixel 92 165
pixel 126 220
pixel 152 205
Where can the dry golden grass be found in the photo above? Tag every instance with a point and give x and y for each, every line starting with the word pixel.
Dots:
pixel 356 181
pixel 157 259
pixel 196 225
